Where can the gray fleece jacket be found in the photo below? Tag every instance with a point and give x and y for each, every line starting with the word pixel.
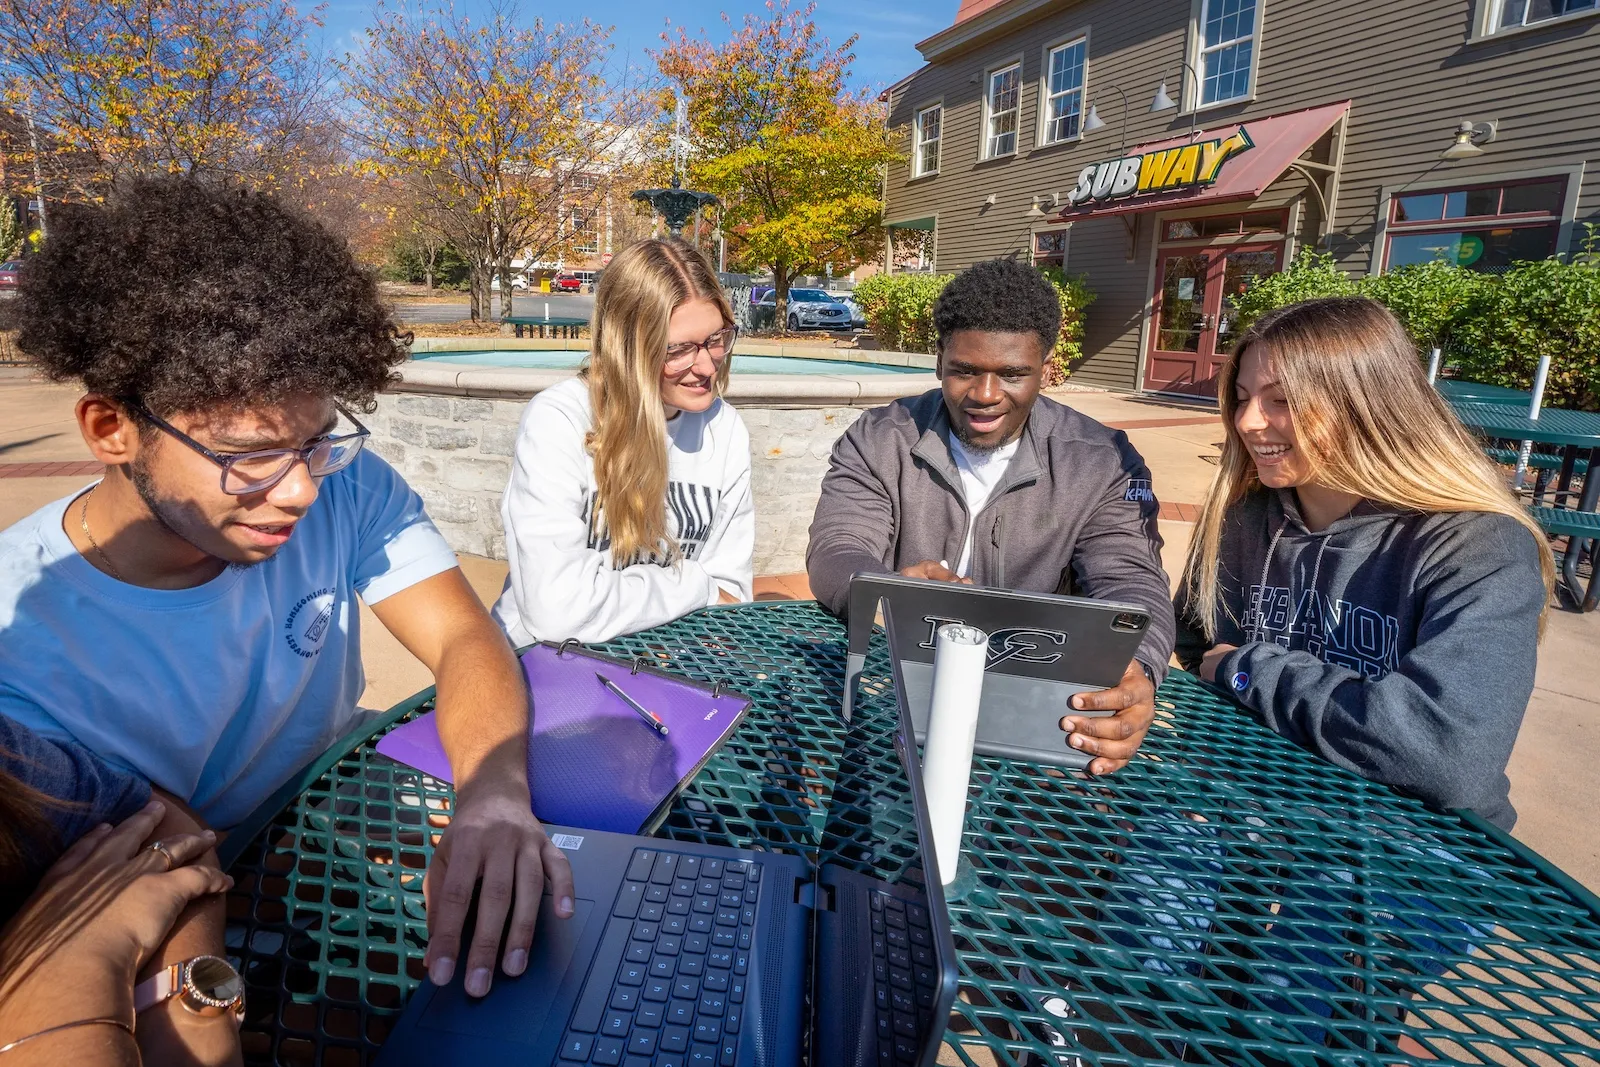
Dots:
pixel 1075 512
pixel 1397 644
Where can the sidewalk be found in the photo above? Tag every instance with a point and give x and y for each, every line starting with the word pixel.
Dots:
pixel 1552 770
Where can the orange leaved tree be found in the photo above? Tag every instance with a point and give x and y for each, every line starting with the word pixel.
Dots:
pixel 796 158
pixel 216 88
pixel 498 128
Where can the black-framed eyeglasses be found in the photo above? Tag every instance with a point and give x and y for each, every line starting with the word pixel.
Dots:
pixel 680 357
pixel 244 473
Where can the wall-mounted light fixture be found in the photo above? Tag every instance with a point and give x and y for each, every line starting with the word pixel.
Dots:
pixel 1093 121
pixel 1163 102
pixel 1470 139
pixel 1036 209
pixel 991 200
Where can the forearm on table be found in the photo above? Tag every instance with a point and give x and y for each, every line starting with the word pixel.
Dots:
pixel 168 1033
pixel 482 711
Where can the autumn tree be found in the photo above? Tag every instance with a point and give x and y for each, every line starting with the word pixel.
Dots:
pixel 497 128
pixel 795 157
pixel 219 88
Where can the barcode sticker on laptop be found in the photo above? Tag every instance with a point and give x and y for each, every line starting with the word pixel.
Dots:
pixel 568 842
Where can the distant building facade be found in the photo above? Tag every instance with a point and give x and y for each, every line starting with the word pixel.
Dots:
pixel 1294 123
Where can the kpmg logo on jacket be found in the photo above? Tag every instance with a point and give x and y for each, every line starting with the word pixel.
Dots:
pixel 308 622
pixel 1141 490
pixel 1190 165
pixel 1021 643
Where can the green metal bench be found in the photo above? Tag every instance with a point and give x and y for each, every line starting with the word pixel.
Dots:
pixel 1507 457
pixel 1579 526
pixel 558 327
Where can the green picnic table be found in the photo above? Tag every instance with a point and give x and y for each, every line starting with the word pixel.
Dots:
pixel 1229 898
pixel 558 327
pixel 1480 393
pixel 1575 432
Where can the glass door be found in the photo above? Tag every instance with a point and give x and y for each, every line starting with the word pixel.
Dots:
pixel 1196 314
pixel 1184 332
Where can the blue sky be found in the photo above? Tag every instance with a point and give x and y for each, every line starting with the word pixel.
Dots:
pixel 888 29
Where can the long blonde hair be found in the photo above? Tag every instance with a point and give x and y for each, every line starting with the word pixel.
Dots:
pixel 1368 422
pixel 639 291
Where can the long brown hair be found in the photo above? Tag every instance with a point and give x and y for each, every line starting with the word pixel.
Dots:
pixel 639 291
pixel 1368 422
pixel 26 833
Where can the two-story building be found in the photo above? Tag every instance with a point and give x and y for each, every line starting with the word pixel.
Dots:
pixel 1171 150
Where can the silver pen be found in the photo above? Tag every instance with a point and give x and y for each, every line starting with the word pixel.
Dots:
pixel 644 713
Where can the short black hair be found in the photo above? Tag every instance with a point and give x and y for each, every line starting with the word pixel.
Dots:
pixel 999 296
pixel 187 295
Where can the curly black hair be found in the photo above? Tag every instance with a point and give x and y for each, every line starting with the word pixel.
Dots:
pixel 187 295
pixel 999 296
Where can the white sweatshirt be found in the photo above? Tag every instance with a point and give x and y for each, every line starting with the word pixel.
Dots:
pixel 563 583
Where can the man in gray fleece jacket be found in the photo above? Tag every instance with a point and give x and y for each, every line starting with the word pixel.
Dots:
pixel 984 481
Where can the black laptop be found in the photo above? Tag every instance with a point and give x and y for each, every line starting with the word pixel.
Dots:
pixel 1043 648
pixel 688 955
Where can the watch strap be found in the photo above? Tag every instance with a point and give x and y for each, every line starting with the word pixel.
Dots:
pixel 159 987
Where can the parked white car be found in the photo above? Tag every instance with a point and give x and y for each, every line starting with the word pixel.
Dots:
pixel 858 318
pixel 808 308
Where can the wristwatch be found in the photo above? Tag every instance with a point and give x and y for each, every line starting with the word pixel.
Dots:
pixel 205 985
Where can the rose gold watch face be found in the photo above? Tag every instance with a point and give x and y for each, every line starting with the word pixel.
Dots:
pixel 215 980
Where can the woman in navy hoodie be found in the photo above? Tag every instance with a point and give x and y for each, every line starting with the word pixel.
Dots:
pixel 1360 576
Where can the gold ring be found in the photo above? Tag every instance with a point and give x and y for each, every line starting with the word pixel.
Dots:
pixel 160 847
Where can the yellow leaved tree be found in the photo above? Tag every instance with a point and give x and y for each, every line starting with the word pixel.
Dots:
pixel 500 130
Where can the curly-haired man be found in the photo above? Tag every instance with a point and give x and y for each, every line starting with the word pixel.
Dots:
pixel 193 615
pixel 985 481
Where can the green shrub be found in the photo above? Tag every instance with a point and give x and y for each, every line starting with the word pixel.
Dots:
pixel 1312 273
pixel 1075 295
pixel 899 311
pixel 1542 307
pixel 1431 300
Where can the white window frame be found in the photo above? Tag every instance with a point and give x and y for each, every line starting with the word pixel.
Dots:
pixel 1193 93
pixel 917 142
pixel 1046 124
pixel 985 143
pixel 1486 20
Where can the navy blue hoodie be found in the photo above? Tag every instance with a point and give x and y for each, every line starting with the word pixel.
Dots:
pixel 1398 644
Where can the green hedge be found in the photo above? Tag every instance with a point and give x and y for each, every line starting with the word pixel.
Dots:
pixel 899 311
pixel 1492 327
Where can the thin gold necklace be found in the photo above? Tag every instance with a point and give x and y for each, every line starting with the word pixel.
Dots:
pixel 83 521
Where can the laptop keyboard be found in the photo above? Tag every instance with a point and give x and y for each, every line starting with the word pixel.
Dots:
pixel 905 980
pixel 667 986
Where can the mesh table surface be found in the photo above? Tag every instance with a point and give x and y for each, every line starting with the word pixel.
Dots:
pixel 1228 898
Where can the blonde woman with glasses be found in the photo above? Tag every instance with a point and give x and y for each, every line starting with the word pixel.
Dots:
pixel 1360 577
pixel 629 504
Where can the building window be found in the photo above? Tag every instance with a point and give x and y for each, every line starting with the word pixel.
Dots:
pixel 1515 13
pixel 1483 227
pixel 1002 108
pixel 585 229
pixel 1050 249
pixel 1227 49
pixel 1224 226
pixel 1064 91
pixel 925 160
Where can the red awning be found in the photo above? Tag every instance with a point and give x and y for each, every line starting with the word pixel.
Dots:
pixel 1270 145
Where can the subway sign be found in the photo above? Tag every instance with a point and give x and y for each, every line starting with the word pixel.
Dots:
pixel 1190 166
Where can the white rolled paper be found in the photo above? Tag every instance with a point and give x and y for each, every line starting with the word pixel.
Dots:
pixel 959 653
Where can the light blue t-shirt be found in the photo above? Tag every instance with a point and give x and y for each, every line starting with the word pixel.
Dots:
pixel 218 693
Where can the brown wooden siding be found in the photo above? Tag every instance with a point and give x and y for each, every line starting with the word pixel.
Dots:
pixel 1411 70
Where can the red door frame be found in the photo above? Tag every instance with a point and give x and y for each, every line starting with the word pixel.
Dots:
pixel 1208 354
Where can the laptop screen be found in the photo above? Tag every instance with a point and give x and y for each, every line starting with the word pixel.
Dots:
pixel 885 973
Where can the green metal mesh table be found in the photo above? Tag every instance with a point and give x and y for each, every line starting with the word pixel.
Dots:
pixel 1227 899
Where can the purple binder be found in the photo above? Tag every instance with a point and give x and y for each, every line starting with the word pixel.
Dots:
pixel 592 761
